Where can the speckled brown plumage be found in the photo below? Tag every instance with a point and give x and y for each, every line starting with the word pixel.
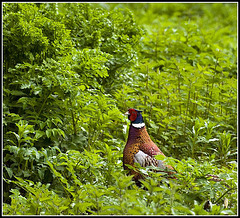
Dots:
pixel 139 140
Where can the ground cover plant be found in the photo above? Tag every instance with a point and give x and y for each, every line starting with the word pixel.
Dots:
pixel 71 70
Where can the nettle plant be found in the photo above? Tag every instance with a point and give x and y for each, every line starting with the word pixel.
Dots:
pixel 186 74
pixel 72 69
pixel 53 87
pixel 62 70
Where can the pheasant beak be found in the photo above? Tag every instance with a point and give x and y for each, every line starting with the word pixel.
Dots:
pixel 127 113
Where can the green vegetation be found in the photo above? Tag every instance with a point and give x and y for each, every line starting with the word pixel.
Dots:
pixel 70 72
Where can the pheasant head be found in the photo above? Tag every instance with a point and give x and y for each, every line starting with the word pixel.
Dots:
pixel 135 117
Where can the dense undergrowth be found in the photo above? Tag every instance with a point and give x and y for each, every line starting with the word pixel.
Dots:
pixel 70 72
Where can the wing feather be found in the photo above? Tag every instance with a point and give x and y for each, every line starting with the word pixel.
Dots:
pixel 146 160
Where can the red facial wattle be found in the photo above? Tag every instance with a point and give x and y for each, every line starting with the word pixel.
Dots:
pixel 133 114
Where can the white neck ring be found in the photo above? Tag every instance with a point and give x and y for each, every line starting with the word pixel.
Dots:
pixel 138 125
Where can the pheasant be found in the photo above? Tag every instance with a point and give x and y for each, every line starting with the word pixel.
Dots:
pixel 140 148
